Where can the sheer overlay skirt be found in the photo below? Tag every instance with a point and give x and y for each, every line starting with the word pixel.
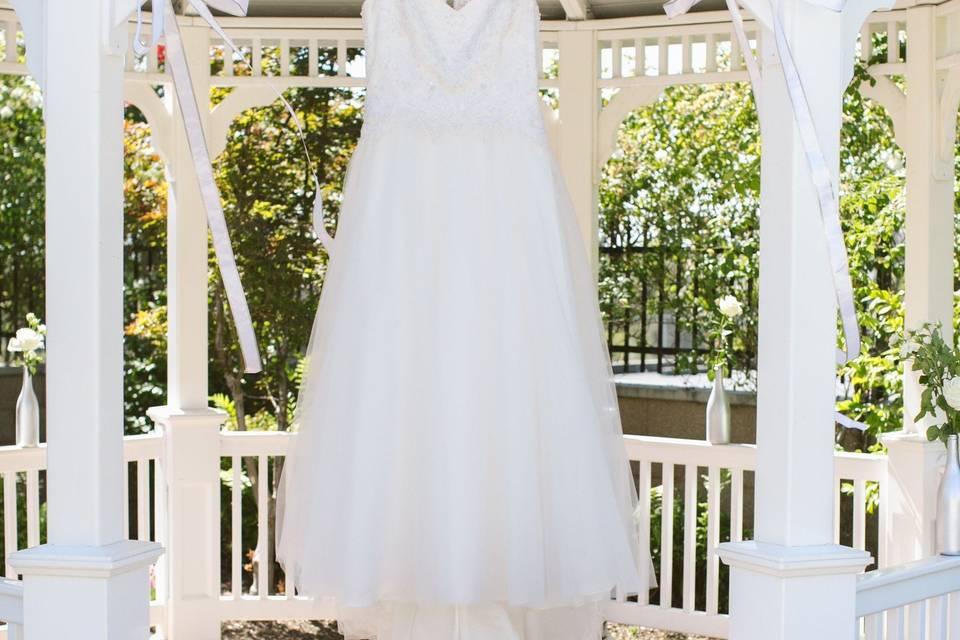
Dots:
pixel 459 471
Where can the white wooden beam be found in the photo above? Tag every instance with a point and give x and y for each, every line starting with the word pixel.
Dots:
pixel 576 9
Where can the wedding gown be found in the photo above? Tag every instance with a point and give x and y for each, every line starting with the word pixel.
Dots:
pixel 459 471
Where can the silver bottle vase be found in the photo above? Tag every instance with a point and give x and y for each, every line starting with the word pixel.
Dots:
pixel 28 413
pixel 948 503
pixel 718 411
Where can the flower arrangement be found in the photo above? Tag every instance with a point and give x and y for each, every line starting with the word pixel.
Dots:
pixel 939 366
pixel 28 345
pixel 729 310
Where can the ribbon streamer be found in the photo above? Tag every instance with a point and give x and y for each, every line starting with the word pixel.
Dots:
pixel 820 173
pixel 165 25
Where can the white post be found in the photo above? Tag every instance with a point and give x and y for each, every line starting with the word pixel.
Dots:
pixel 915 464
pixel 579 111
pixel 191 460
pixel 793 583
pixel 87 582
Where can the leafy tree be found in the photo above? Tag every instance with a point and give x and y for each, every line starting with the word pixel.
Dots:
pixel 145 240
pixel 678 219
pixel 21 202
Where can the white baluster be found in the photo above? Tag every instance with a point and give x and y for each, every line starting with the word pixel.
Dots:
pixel 33 508
pixel 689 537
pixel 284 57
pixel 160 522
pixel 663 56
pixel 256 57
pixel 263 510
pixel 953 615
pixel 312 64
pixel 859 515
pixel 227 61
pixel 10 41
pixel 713 539
pixel 236 528
pixel 643 533
pixel 838 485
pixel 736 63
pixel 341 57
pixel 9 519
pixel 666 538
pixel 143 500
pixel 153 64
pixel 895 624
pixel 893 42
pixel 126 500
pixel 937 610
pixel 686 55
pixel 736 505
pixel 617 59
pixel 711 43
pixel 866 42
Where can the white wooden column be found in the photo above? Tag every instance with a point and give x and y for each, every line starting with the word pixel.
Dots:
pixel 187 247
pixel 87 582
pixel 793 583
pixel 929 217
pixel 914 463
pixel 191 459
pixel 579 111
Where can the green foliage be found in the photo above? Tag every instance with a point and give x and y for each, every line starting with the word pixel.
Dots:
pixel 939 365
pixel 21 202
pixel 872 209
pixel 144 274
pixel 678 220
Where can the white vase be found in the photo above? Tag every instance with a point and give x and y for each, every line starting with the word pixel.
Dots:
pixel 718 411
pixel 948 504
pixel 28 413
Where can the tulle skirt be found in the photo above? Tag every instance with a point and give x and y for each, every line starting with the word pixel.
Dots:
pixel 459 471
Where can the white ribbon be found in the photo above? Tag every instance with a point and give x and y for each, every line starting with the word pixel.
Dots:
pixel 165 25
pixel 820 172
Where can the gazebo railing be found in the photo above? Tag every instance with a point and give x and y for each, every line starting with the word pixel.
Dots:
pixel 704 486
pixel 714 482
pixel 915 600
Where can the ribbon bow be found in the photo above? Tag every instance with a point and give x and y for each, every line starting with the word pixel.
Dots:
pixel 165 25
pixel 820 172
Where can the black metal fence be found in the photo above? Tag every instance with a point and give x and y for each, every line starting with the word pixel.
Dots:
pixel 664 322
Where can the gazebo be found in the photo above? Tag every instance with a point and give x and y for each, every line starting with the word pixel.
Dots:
pixel 793 581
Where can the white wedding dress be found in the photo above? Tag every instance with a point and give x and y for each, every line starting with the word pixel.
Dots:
pixel 459 471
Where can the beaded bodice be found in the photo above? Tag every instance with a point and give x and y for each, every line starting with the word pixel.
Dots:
pixel 443 69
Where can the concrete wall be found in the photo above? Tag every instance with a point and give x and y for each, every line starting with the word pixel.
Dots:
pixel 671 411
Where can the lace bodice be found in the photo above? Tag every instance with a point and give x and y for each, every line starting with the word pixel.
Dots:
pixel 444 69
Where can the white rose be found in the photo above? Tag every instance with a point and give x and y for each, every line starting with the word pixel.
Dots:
pixel 27 340
pixel 951 392
pixel 661 155
pixel 730 306
pixel 6 112
pixel 31 318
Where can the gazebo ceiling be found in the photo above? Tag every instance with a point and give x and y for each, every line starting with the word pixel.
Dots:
pixel 551 9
